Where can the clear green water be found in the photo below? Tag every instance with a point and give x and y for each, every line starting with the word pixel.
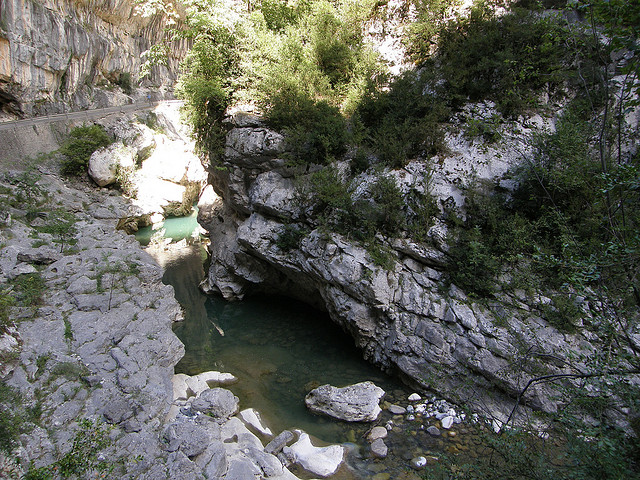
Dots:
pixel 278 348
pixel 176 228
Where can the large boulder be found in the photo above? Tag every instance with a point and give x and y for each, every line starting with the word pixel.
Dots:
pixel 220 403
pixel 104 163
pixel 321 461
pixel 354 403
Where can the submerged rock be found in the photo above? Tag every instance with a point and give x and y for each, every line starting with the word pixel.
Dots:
pixel 376 433
pixel 397 410
pixel 354 403
pixel 379 448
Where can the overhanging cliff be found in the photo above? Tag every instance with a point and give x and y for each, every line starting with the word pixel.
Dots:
pixel 58 56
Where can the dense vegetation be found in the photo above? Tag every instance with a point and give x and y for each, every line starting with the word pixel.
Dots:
pixel 569 229
pixel 77 149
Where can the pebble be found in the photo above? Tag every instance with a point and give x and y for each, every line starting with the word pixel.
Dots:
pixel 411 418
pixel 447 422
pixel 418 462
pixel 376 433
pixel 410 409
pixel 381 476
pixel 414 397
pixel 396 410
pixel 379 449
pixel 434 431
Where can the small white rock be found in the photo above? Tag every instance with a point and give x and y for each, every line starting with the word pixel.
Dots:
pixel 414 397
pixel 418 462
pixel 447 422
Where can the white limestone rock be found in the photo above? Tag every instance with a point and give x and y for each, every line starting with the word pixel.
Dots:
pixel 104 162
pixel 353 403
pixel 252 418
pixel 321 461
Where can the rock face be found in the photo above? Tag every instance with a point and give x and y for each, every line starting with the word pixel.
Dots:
pixel 404 318
pixel 354 403
pixel 54 53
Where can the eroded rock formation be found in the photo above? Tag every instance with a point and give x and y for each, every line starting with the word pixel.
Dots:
pixel 406 318
pixel 54 53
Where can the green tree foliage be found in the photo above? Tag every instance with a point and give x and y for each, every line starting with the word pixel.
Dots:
pixel 209 72
pixel 77 149
pixel 402 122
pixel 509 59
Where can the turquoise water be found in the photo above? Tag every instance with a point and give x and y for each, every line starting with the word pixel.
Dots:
pixel 176 228
pixel 277 347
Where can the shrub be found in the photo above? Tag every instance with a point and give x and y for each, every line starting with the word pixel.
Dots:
pixel 209 71
pixel 125 82
pixel 528 53
pixel 403 122
pixel 318 135
pixel 421 209
pixel 90 439
pixel 62 225
pixel 6 302
pixel 77 149
pixel 10 420
pixel 28 289
pixel 290 237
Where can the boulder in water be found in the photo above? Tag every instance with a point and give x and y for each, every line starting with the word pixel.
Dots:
pixel 354 403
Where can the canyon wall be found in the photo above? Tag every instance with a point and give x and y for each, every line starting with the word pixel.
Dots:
pixel 65 55
pixel 407 318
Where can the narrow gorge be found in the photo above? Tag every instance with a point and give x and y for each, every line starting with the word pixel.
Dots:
pixel 452 185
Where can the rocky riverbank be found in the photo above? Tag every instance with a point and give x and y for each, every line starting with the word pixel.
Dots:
pixel 93 352
pixel 96 342
pixel 87 351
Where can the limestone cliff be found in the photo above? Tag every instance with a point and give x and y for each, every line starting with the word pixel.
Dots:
pixel 406 318
pixel 54 53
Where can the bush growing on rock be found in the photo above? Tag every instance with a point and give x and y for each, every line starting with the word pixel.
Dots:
pixel 77 149
pixel 528 55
